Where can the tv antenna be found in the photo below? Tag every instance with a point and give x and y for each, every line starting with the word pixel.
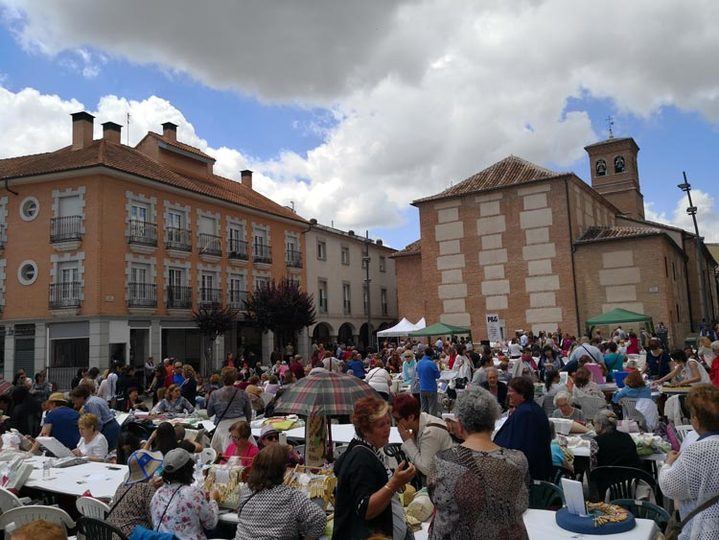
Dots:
pixel 610 125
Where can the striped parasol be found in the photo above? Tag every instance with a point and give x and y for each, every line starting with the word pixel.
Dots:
pixel 326 393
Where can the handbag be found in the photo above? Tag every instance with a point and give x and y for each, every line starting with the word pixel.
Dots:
pixel 675 528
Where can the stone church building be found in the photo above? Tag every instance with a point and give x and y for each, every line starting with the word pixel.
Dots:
pixel 546 251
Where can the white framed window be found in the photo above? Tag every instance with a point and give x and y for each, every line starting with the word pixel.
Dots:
pixel 346 298
pixel 382 263
pixel 261 280
pixel 27 272
pixel 321 250
pixel 345 255
pixel 322 295
pixel 208 280
pixel 68 272
pixel 139 212
pixel 140 273
pixel 29 208
pixel 175 220
pixel 175 277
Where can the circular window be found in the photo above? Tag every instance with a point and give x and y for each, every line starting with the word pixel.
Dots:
pixel 29 208
pixel 27 272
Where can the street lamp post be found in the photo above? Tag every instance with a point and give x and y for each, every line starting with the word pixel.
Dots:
pixel 692 211
pixel 366 260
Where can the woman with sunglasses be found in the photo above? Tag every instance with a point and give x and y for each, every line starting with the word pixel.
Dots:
pixel 270 436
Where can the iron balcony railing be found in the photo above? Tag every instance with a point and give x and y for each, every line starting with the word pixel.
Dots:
pixel 178 239
pixel 293 258
pixel 210 244
pixel 65 295
pixel 237 249
pixel 262 254
pixel 210 297
pixel 238 299
pixel 66 229
pixel 142 295
pixel 179 297
pixel 142 232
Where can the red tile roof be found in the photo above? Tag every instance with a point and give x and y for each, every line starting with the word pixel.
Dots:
pixel 177 144
pixel 123 158
pixel 598 234
pixel 510 171
pixel 409 249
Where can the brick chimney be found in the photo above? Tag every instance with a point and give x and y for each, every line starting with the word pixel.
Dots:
pixel 246 176
pixel 169 131
pixel 82 124
pixel 111 132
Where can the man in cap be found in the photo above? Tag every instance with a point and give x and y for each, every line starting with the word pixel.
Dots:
pixel 60 422
pixel 131 506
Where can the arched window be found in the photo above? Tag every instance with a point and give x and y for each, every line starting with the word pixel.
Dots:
pixel 601 167
pixel 619 164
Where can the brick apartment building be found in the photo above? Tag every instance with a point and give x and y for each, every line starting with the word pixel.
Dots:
pixel 108 248
pixel 545 250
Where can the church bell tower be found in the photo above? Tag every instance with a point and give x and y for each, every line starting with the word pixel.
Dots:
pixel 613 164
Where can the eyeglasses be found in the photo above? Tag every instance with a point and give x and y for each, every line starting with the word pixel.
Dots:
pixel 271 437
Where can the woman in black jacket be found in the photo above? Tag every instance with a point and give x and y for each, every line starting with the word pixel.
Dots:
pixel 366 489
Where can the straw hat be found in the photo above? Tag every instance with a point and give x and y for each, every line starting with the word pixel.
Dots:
pixel 58 397
pixel 143 464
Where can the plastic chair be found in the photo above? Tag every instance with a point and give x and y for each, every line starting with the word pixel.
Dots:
pixel 646 510
pixel 96 529
pixel 630 412
pixel 92 508
pixel 25 514
pixel 208 456
pixel 683 430
pixel 9 500
pixel 559 473
pixel 545 496
pixel 621 482
pixel 590 405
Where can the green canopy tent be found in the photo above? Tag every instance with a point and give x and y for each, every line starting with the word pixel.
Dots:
pixel 441 329
pixel 618 316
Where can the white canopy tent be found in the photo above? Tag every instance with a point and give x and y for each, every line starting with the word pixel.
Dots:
pixel 402 328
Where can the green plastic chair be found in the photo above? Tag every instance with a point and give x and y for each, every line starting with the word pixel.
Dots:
pixel 645 510
pixel 545 496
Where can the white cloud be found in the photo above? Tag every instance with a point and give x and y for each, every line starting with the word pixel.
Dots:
pixel 707 215
pixel 423 92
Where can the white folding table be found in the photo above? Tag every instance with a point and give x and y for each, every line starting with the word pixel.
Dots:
pixel 101 479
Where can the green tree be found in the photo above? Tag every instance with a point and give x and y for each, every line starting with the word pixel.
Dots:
pixel 282 307
pixel 213 322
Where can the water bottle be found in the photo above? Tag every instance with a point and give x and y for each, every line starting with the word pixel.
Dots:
pixel 46 468
pixel 198 476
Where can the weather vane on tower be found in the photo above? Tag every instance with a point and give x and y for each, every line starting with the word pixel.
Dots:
pixel 610 125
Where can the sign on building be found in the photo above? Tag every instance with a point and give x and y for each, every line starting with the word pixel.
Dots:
pixel 494 327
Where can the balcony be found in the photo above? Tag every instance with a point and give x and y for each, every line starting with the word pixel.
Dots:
pixel 293 258
pixel 237 249
pixel 3 235
pixel 262 254
pixel 210 244
pixel 179 297
pixel 141 295
pixel 238 299
pixel 65 295
pixel 210 298
pixel 66 229
pixel 178 239
pixel 142 233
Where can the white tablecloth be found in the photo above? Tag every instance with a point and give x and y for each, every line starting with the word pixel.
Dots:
pixel 540 526
pixel 341 433
pixel 102 479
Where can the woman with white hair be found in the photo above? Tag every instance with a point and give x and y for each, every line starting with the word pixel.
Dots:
pixel 563 408
pixel 615 447
pixel 479 489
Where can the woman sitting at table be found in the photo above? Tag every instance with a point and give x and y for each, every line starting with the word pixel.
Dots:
pixel 423 435
pixel 133 401
pixel 614 447
pixel 564 409
pixel 379 379
pixel 269 436
pixel 634 388
pixel 479 489
pixel 657 363
pixel 270 510
pixel 162 440
pixel 92 444
pixel 584 386
pixel 179 507
pixel 173 402
pixel 366 496
pixel 86 403
pixel 685 372
pixel 130 506
pixel 692 476
pixel 240 444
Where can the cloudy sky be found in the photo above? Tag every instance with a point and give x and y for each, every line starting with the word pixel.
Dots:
pixel 352 109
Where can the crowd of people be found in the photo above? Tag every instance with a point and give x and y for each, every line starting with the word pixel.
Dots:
pixel 477 460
